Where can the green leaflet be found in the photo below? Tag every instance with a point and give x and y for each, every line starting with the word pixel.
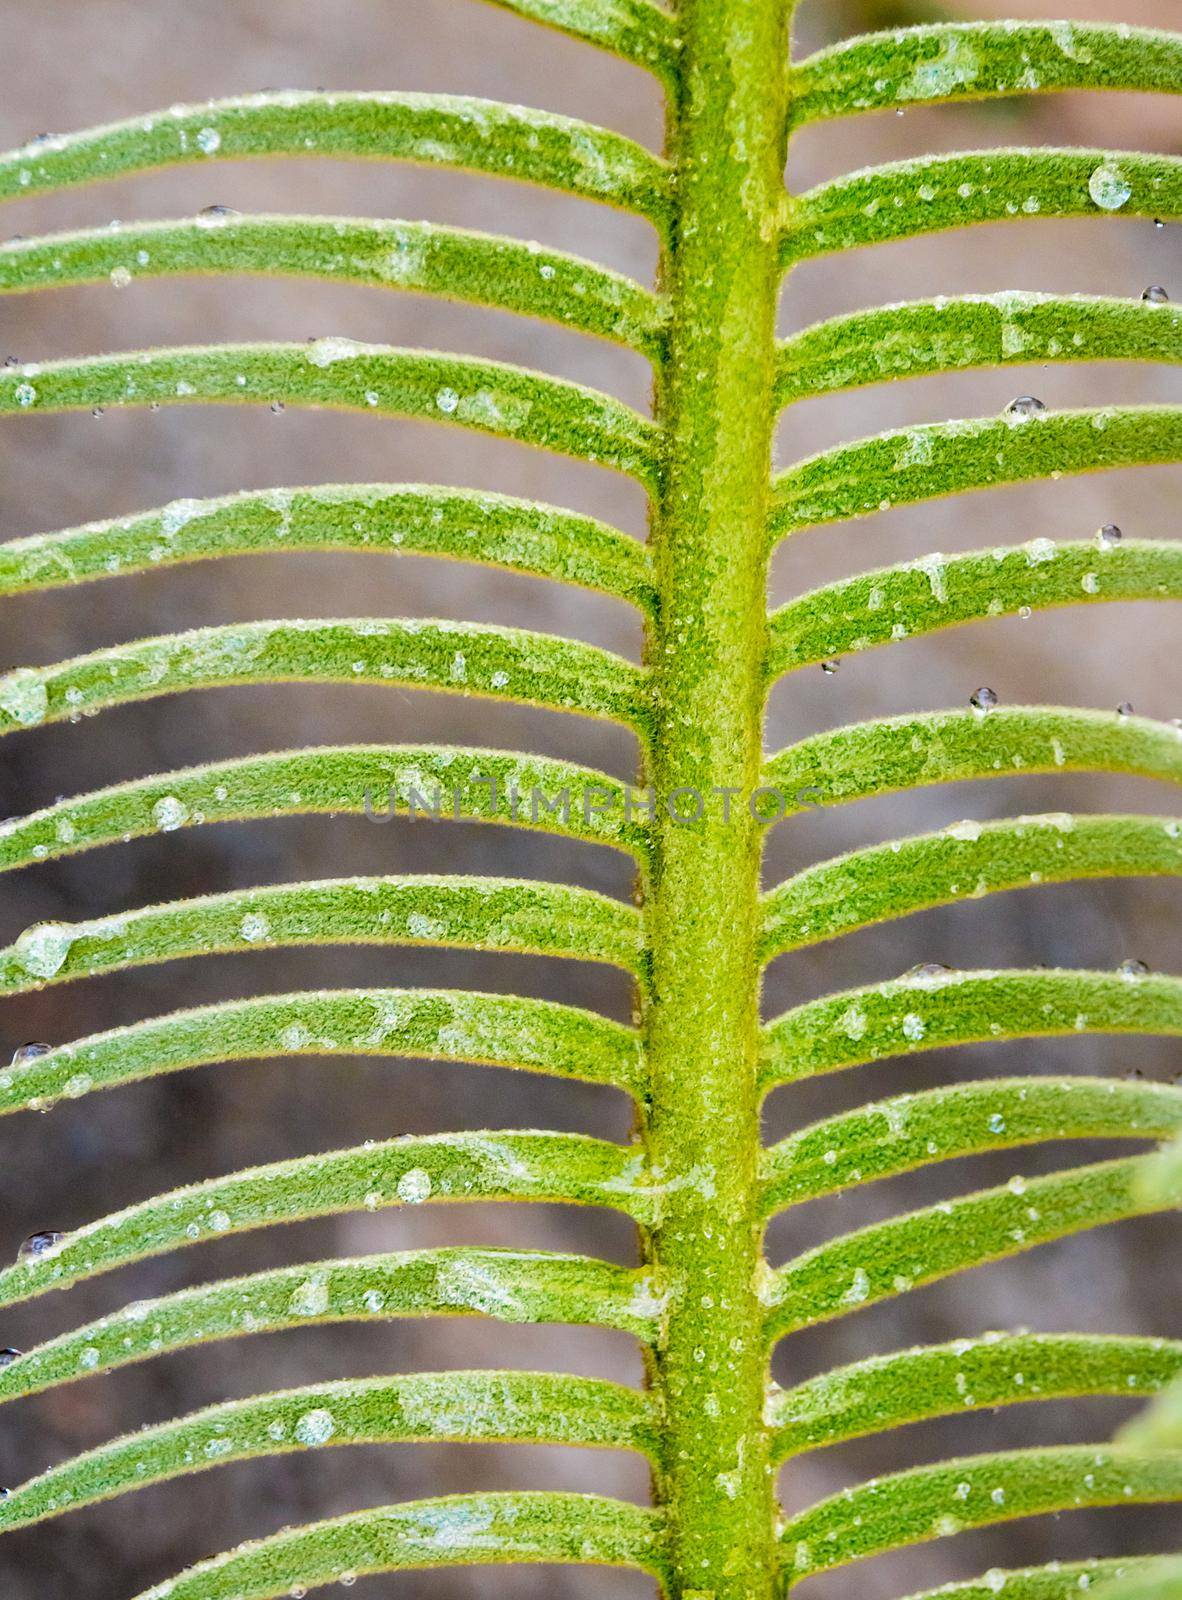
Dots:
pixel 938 591
pixel 941 1380
pixel 635 29
pixel 565 1169
pixel 519 1407
pixel 432 130
pixel 1061 1580
pixel 455 657
pixel 911 752
pixel 979 60
pixel 461 1529
pixel 912 1130
pixel 909 465
pixel 501 1030
pixel 510 1286
pixel 427 782
pixel 409 519
pixel 964 862
pixel 951 191
pixel 958 332
pixel 488 396
pixel 1159 1428
pixel 1152 1580
pixel 950 1008
pixel 890 1258
pixel 418 257
pixel 974 1492
pixel 468 913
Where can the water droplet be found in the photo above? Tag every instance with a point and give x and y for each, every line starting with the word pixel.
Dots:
pixel 1158 223
pixel 447 400
pixel 1125 709
pixel 218 211
pixel 926 969
pixel 1155 295
pixel 983 701
pixel 414 1187
pixel 208 140
pixel 278 407
pixel 8 1355
pixel 315 1427
pixel 1109 536
pixel 12 361
pixel 25 394
pixel 121 277
pixel 43 948
pixel 1133 969
pixel 29 1052
pixel 38 1245
pixel 1025 406
pixel 1025 613
pixel 1109 187
pixel 170 814
pixel 830 667
pixel 98 411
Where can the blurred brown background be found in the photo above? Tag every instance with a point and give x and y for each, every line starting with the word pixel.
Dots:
pixel 67 64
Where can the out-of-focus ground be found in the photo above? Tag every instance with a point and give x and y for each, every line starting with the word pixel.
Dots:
pixel 66 65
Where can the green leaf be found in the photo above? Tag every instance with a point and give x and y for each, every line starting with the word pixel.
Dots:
pixel 957 61
pixel 946 1380
pixel 431 130
pixel 501 1030
pixel 423 781
pixel 963 862
pixel 921 597
pixel 635 29
pixel 856 1026
pixel 417 257
pixel 465 1529
pixel 975 1492
pixel 890 754
pixel 466 913
pixel 1152 1580
pixel 890 1258
pixel 522 1286
pixel 1160 1427
pixel 908 465
pixel 466 658
pixel 1060 1580
pixel 951 191
pixel 560 1168
pixel 913 1130
pixel 488 396
pixel 429 1407
pixel 390 519
pixel 958 332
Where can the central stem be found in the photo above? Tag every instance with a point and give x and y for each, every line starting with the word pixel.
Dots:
pixel 715 402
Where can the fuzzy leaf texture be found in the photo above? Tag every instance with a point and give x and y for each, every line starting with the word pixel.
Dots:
pixel 702 1301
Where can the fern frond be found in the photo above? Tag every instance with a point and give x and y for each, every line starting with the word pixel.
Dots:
pixel 954 190
pixel 908 1131
pixel 877 1022
pixel 1062 1580
pixel 469 1529
pixel 975 1492
pixel 957 61
pixel 454 657
pixel 419 257
pixel 638 30
pixel 893 1257
pixel 501 1030
pixel 959 332
pixel 431 1407
pixel 921 597
pixel 460 784
pixel 944 458
pixel 890 754
pixel 430 130
pixel 1150 1580
pixel 946 1380
pixel 393 519
pixel 564 1169
pixel 963 862
pixel 508 1286
pixel 487 396
pixel 522 915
